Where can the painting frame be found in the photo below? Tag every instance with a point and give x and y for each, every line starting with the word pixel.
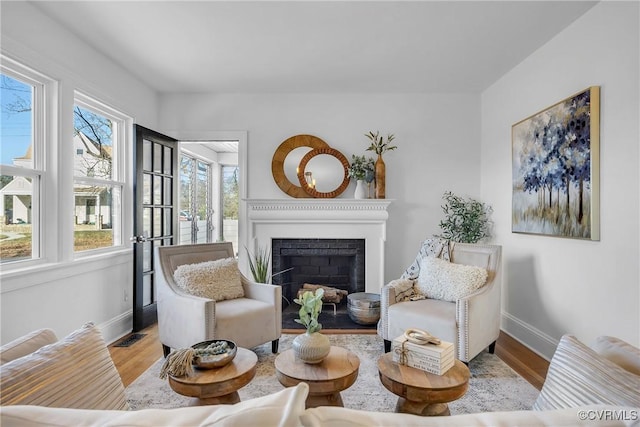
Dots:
pixel 555 157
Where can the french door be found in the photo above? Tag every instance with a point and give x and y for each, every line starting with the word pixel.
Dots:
pixel 196 211
pixel 155 220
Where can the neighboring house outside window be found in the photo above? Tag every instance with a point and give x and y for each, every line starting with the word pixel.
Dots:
pixel 98 176
pixel 21 148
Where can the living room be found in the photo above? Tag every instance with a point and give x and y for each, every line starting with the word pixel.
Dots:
pixel 447 138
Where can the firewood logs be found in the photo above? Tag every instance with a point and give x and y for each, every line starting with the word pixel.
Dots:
pixel 331 294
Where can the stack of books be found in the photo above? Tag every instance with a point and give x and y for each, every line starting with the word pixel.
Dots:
pixel 435 359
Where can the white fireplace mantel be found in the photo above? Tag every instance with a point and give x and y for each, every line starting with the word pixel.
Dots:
pixel 323 218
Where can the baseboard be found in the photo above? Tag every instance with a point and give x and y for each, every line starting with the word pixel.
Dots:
pixel 116 328
pixel 534 339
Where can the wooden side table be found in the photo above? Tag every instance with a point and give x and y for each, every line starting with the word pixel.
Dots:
pixel 219 385
pixel 422 393
pixel 337 372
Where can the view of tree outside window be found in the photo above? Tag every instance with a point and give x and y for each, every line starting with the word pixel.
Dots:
pixel 96 195
pixel 19 180
pixel 230 205
pixel 195 220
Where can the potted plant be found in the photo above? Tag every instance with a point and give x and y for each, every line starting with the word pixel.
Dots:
pixel 362 170
pixel 311 347
pixel 259 265
pixel 380 146
pixel 466 219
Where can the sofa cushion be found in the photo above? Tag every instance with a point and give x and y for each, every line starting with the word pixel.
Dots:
pixel 591 416
pixel 447 281
pixel 619 352
pixel 278 409
pixel 75 372
pixel 26 344
pixel 579 376
pixel 217 280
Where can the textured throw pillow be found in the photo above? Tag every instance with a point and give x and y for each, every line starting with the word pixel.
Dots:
pixel 75 372
pixel 26 344
pixel 619 352
pixel 447 281
pixel 579 376
pixel 217 280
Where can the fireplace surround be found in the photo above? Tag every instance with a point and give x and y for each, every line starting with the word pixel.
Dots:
pixel 357 219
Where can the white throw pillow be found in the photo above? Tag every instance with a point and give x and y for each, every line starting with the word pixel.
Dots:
pixel 448 281
pixel 217 280
pixel 619 352
pixel 579 376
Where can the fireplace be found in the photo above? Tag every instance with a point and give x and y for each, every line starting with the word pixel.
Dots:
pixel 339 263
pixel 323 221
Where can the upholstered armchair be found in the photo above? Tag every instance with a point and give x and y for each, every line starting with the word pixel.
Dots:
pixel 471 323
pixel 185 319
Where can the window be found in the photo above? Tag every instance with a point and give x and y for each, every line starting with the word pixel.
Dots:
pixel 21 143
pixel 98 181
pixel 230 198
pixel 196 224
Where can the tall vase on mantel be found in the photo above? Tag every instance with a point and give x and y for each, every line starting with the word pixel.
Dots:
pixel 380 177
pixel 360 192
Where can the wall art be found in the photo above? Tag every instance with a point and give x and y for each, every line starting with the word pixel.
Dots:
pixel 555 166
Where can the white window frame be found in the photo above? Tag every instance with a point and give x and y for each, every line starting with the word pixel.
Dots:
pixel 120 142
pixel 44 116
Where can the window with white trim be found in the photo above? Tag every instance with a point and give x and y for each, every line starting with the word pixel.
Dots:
pixel 22 162
pixel 98 182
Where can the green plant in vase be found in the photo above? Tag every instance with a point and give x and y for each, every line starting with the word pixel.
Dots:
pixel 310 308
pixel 380 146
pixel 311 347
pixel 361 169
pixel 466 219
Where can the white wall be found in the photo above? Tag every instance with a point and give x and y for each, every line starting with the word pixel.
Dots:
pixel 437 137
pixel 554 285
pixel 67 293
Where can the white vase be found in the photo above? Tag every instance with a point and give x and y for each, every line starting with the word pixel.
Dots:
pixel 311 348
pixel 361 192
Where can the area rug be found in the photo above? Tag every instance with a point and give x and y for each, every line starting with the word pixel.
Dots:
pixel 493 386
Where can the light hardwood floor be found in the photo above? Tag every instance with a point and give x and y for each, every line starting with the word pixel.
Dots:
pixel 132 361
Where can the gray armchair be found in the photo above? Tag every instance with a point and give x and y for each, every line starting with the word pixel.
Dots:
pixel 185 319
pixel 471 323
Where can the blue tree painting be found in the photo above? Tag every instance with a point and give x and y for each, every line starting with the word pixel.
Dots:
pixel 555 169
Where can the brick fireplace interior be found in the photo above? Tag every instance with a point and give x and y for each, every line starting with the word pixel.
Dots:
pixel 339 263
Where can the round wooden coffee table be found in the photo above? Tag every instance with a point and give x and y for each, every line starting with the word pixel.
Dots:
pixel 218 385
pixel 422 393
pixel 337 372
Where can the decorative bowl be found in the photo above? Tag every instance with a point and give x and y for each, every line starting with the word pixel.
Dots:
pixel 214 360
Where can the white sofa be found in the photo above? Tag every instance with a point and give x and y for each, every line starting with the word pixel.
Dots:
pixel 73 382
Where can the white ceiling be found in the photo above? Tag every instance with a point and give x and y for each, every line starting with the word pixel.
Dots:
pixel 316 46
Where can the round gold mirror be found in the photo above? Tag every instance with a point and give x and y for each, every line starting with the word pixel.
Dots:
pixel 323 173
pixel 280 157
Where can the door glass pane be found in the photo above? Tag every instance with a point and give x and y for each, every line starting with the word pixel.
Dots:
pixel 146 290
pixel 168 151
pixel 168 221
pixel 146 256
pixel 147 155
pixel 157 190
pixel 146 222
pixel 167 195
pixel 157 222
pixel 157 158
pixel 146 189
